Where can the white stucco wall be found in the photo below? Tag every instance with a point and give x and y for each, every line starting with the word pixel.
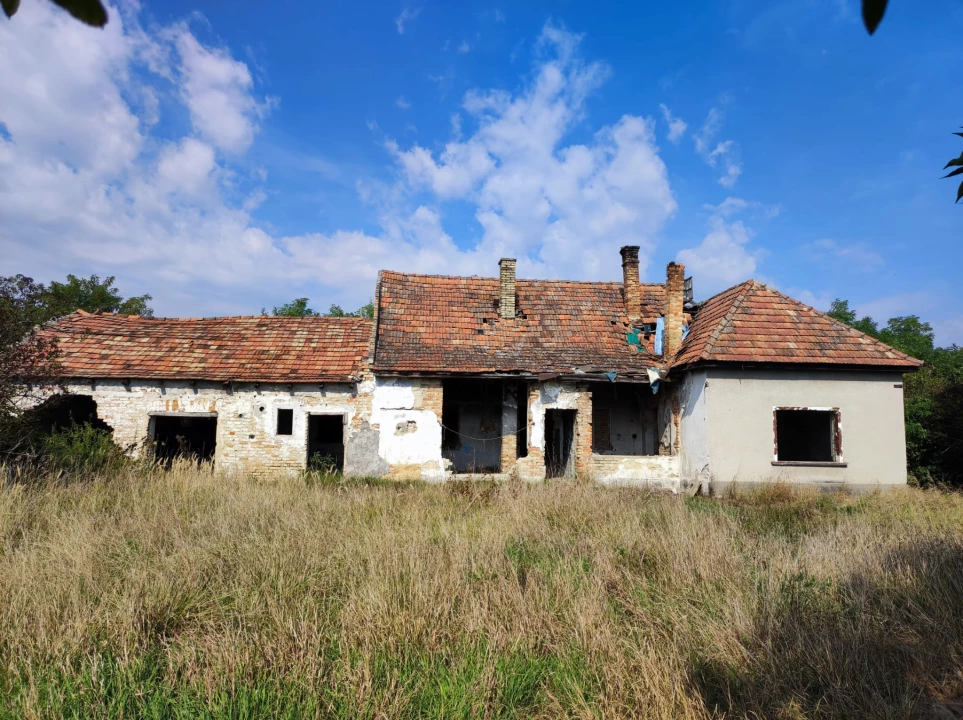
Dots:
pixel 739 411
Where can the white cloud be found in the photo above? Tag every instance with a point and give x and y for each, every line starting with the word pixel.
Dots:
pixel 724 256
pixel 406 16
pixel 217 91
pixel 853 255
pixel 403 103
pixel 677 126
pixel 725 153
pixel 564 210
pixel 87 184
pixel 464 47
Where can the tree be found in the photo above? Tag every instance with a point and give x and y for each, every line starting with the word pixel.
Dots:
pixel 26 358
pixel 89 12
pixel 840 310
pixel 296 308
pixel 365 311
pixel 93 295
pixel 958 164
pixel 932 396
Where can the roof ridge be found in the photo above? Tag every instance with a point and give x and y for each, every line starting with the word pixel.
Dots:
pixel 398 273
pixel 727 318
pixel 270 318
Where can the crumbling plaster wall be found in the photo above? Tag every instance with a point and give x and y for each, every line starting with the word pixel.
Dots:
pixel 556 395
pixel 407 413
pixel 247 440
pixel 658 472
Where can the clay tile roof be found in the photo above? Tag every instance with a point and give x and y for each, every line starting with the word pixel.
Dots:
pixel 262 349
pixel 438 324
pixel 751 322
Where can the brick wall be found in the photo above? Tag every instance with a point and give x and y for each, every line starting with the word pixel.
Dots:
pixel 246 438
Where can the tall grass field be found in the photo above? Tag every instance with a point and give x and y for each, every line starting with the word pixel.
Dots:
pixel 187 594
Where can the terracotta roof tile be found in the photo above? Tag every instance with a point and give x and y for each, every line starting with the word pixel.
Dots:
pixel 451 325
pixel 264 349
pixel 751 322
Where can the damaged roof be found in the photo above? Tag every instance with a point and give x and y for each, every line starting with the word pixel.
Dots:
pixel 253 349
pixel 439 324
pixel 751 322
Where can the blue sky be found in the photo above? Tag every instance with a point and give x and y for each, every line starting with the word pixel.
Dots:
pixel 226 156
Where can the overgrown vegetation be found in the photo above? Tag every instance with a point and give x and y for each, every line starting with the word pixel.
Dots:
pixel 189 594
pixel 28 361
pixel 933 395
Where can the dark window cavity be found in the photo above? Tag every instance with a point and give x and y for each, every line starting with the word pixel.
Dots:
pixel 189 437
pixel 285 422
pixel 807 435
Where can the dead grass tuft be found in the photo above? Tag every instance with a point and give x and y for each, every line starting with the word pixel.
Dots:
pixel 188 593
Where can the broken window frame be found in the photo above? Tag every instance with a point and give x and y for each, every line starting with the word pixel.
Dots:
pixel 836 430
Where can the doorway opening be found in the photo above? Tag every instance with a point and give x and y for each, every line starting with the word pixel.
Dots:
pixel 326 443
pixel 560 441
pixel 191 437
pixel 471 419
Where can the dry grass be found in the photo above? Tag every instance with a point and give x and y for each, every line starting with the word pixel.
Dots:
pixel 192 595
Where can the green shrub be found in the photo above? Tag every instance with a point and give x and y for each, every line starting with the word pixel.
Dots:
pixel 82 448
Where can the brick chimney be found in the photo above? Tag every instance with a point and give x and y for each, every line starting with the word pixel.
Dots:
pixel 673 308
pixel 630 282
pixel 506 292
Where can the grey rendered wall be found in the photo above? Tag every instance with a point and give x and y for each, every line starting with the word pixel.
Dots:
pixel 695 469
pixel 739 420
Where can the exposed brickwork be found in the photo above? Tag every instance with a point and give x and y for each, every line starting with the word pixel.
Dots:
pixel 265 349
pixel 506 289
pixel 533 466
pixel 451 324
pixel 674 280
pixel 630 282
pixel 751 322
pixel 583 433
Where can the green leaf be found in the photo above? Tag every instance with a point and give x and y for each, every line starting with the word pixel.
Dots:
pixel 954 161
pixel 90 12
pixel 959 193
pixel 10 6
pixel 873 11
pixel 958 171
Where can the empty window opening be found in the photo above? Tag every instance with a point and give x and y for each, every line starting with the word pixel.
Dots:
pixel 559 443
pixel 326 443
pixel 285 421
pixel 471 418
pixel 807 436
pixel 625 418
pixel 184 436
pixel 521 437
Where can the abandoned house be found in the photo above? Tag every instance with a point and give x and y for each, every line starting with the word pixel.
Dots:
pixel 456 377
